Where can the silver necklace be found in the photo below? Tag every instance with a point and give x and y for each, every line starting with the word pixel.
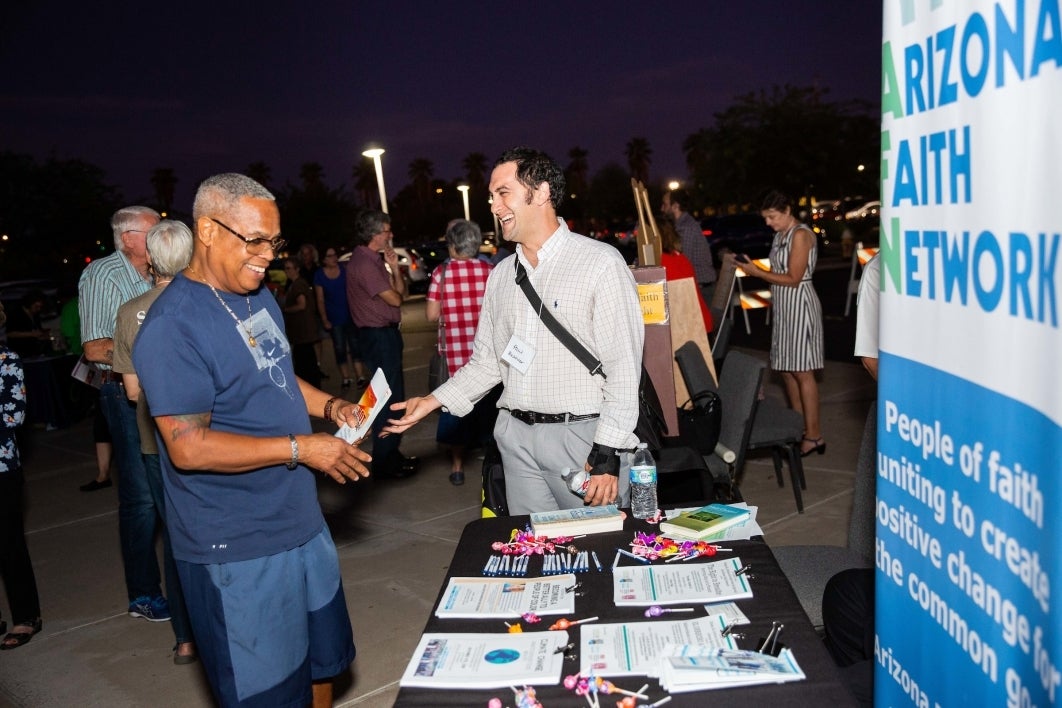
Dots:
pixel 246 326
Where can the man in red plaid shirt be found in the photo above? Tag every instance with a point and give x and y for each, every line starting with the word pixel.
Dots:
pixel 455 298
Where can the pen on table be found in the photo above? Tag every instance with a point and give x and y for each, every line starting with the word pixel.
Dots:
pixel 597 561
pixel 631 555
pixel 616 561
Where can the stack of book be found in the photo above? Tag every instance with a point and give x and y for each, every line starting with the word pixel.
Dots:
pixel 577 522
pixel 705 522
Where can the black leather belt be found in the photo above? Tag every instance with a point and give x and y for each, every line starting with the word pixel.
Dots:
pixel 531 417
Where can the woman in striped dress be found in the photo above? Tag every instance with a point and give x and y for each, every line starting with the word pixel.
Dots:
pixel 796 340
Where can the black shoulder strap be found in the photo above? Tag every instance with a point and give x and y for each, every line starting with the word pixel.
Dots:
pixel 592 363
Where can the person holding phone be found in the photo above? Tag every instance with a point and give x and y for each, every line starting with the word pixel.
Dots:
pixel 797 337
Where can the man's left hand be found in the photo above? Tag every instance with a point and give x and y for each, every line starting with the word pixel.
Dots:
pixel 603 465
pixel 603 489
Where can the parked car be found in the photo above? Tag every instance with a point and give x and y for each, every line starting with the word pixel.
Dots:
pixel 867 211
pixel 739 233
pixel 433 254
pixel 413 269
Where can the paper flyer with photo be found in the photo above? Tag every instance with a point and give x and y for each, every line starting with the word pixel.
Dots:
pixel 507 597
pixel 372 401
pixel 636 648
pixel 486 660
pixel 644 585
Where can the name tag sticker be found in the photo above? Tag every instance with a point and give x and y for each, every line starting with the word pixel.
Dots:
pixel 518 354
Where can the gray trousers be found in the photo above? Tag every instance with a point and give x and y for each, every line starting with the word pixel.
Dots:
pixel 535 457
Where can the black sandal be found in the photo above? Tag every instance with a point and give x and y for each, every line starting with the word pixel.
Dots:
pixel 820 446
pixel 13 640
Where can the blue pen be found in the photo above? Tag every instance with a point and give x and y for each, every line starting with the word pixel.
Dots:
pixel 597 561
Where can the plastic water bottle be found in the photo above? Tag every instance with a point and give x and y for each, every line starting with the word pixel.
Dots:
pixel 643 483
pixel 578 480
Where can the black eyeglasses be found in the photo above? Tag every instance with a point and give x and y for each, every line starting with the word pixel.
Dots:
pixel 255 246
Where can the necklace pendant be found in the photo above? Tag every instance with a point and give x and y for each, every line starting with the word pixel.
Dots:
pixel 251 340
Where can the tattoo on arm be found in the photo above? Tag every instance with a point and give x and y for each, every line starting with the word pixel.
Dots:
pixel 187 425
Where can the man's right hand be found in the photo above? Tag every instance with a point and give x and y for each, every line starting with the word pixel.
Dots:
pixel 333 456
pixel 416 409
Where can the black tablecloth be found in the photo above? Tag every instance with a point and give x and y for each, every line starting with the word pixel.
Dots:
pixel 773 600
pixel 53 397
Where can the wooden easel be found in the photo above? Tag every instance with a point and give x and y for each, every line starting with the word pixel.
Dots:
pixel 649 248
pixel 682 321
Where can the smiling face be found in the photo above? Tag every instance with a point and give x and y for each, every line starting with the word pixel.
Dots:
pixel 514 204
pixel 228 265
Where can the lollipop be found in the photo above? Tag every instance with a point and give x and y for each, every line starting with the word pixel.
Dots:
pixel 564 623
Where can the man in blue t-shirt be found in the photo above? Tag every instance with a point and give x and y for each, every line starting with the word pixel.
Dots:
pixel 257 564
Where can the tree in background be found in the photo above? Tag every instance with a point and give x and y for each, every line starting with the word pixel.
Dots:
pixel 164 181
pixel 475 167
pixel 576 175
pixel 421 171
pixel 366 191
pixel 260 173
pixel 315 213
pixel 639 157
pixel 55 216
pixel 790 138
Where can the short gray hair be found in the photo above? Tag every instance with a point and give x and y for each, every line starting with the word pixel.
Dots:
pixel 367 224
pixel 221 193
pixel 128 218
pixel 169 243
pixel 465 237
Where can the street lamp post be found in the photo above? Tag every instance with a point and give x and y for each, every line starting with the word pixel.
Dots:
pixel 375 153
pixel 463 189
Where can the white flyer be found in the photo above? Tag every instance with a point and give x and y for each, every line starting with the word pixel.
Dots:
pixel 486 660
pixel 372 401
pixel 644 585
pixel 635 648
pixel 507 597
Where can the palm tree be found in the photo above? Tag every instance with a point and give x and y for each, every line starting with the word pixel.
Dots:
pixel 578 172
pixel 421 170
pixel 475 166
pixel 639 155
pixel 312 176
pixel 365 186
pixel 164 182
pixel 259 172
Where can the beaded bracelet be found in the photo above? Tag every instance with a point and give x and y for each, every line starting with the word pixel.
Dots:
pixel 328 408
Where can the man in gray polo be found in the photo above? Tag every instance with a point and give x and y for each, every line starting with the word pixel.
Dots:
pixel 554 414
pixel 676 205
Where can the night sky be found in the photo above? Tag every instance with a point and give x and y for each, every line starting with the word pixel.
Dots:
pixel 201 88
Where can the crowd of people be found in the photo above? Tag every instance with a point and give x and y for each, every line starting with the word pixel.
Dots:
pixel 210 380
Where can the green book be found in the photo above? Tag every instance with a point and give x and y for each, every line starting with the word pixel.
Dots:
pixel 706 521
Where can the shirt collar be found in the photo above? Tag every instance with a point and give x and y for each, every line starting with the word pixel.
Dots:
pixel 550 248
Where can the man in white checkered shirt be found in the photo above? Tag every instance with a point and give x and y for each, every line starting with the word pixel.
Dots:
pixel 554 414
